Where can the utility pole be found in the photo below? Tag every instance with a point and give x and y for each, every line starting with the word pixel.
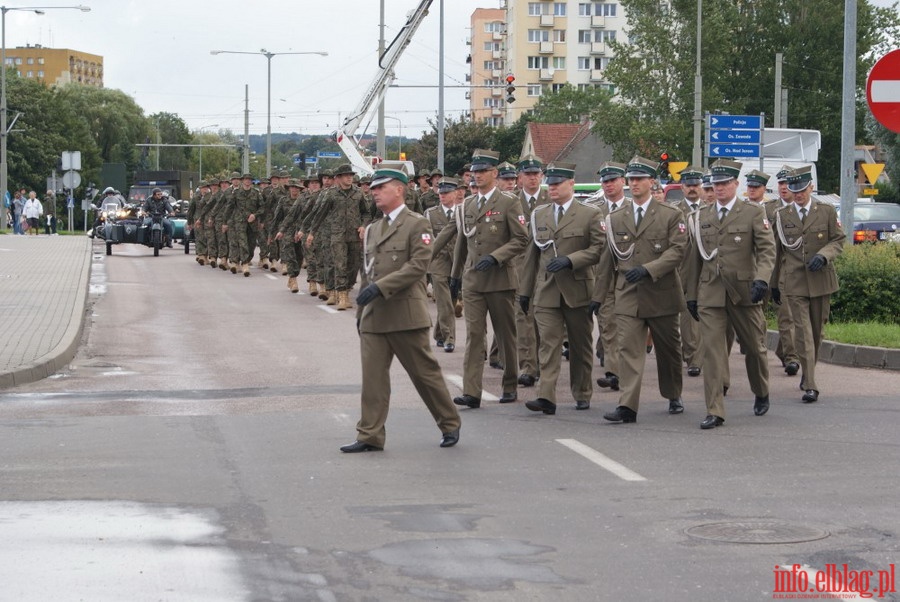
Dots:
pixel 779 59
pixel 440 129
pixel 697 156
pixel 380 145
pixel 848 120
pixel 246 160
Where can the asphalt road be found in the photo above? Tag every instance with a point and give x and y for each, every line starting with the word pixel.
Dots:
pixel 190 452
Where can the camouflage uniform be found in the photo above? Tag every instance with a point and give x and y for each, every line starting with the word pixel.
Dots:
pixel 345 211
pixel 193 212
pixel 205 215
pixel 244 207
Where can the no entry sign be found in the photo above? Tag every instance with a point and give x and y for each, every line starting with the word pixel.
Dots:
pixel 883 91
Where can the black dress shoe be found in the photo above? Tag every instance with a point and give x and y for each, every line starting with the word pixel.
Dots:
pixel 526 380
pixel 693 371
pixel 621 414
pixel 496 365
pixel 449 347
pixel 450 439
pixel 358 446
pixel 565 349
pixel 582 405
pixel 541 405
pixel 711 422
pixel 601 357
pixel 676 406
pixel 724 389
pixel 467 400
pixel 610 381
pixel 791 368
pixel 509 397
pixel 440 342
pixel 810 396
pixel 761 405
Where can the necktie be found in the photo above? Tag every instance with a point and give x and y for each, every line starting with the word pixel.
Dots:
pixel 613 207
pixel 385 224
pixel 722 212
pixel 693 206
pixel 640 216
pixel 480 203
pixel 559 214
pixel 531 204
pixel 449 214
pixel 802 214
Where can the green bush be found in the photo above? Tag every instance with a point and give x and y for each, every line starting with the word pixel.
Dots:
pixel 869 277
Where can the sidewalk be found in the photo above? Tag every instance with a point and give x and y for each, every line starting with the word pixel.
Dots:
pixel 43 296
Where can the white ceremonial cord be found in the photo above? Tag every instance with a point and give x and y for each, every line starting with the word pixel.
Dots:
pixel 780 228
pixel 620 255
pixel 541 245
pixel 460 224
pixel 368 264
pixel 706 256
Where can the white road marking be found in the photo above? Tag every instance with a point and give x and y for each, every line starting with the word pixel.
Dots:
pixel 885 90
pixel 458 381
pixel 327 309
pixel 271 277
pixel 600 460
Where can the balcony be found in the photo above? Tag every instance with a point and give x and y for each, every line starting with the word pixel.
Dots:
pixel 546 48
pixel 596 75
pixel 497 55
pixel 546 75
pixel 546 20
pixel 496 74
pixel 496 92
pixel 598 21
pixel 497 36
pixel 496 112
pixel 598 47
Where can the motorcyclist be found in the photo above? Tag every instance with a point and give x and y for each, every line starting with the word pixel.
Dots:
pixel 157 205
pixel 110 196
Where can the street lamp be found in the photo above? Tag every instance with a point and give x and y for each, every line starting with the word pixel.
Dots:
pixel 212 125
pixel 400 139
pixel 39 10
pixel 268 56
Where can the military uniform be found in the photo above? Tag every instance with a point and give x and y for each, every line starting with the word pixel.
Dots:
pixel 787 349
pixel 691 335
pixel 644 259
pixel 440 268
pixel 243 224
pixel 803 281
pixel 396 322
pixel 560 295
pixel 731 263
pixel 193 221
pixel 206 215
pixel 492 234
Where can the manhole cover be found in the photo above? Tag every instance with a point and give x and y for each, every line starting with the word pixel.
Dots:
pixel 756 531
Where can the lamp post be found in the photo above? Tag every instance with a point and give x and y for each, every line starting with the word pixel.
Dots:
pixel 268 56
pixel 3 110
pixel 400 139
pixel 212 125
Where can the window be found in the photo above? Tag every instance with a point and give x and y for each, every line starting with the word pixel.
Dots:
pixel 585 36
pixel 584 63
pixel 559 9
pixel 30 74
pixel 557 87
pixel 490 82
pixel 608 87
pixel 538 62
pixel 538 35
pixel 30 60
pixel 600 9
pixel 606 35
pixel 608 10
pixel 585 9
pixel 601 62
pixel 489 65
pixel 559 62
pixel 536 9
pixel 10 60
pixel 41 73
pixel 490 103
pixel 40 60
pixel 493 27
pixel 534 89
pixel 18 61
pixel 491 46
pixel 559 35
pixel 494 121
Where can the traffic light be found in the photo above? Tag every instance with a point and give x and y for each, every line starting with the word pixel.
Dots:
pixel 664 164
pixel 510 88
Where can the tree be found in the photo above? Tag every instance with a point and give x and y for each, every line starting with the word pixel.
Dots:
pixel 461 137
pixel 508 139
pixel 168 128
pixel 570 105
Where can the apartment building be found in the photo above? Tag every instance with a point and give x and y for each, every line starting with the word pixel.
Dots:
pixel 56 66
pixel 543 44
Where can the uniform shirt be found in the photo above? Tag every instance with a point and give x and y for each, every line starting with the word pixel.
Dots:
pixel 821 234
pixel 442 258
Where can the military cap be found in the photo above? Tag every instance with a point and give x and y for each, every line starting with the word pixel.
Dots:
pixel 203 183
pixel 507 170
pixel 385 175
pixel 437 172
pixel 757 178
pixel 484 159
pixel 247 176
pixel 423 173
pixel 530 164
pixel 467 167
pixel 799 179
pixel 235 176
pixel 284 174
pixel 448 184
pixel 265 181
pixel 639 167
pixel 559 172
pixel 325 173
pixel 342 169
pixel 691 176
pixel 610 171
pixel 707 180
pixel 782 174
pixel 295 183
pixel 724 170
pixel 365 180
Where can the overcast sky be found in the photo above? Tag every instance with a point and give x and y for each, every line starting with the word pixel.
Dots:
pixel 158 51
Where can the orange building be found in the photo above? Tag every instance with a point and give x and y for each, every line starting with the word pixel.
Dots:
pixel 56 66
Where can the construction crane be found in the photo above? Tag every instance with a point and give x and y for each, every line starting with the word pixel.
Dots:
pixel 346 136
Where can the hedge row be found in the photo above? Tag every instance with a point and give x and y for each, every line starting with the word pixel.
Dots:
pixel 869 277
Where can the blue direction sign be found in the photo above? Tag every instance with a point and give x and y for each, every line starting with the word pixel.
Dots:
pixel 734 150
pixel 741 136
pixel 329 154
pixel 734 122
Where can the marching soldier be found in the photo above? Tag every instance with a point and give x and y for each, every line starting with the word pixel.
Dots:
pixel 195 209
pixel 226 209
pixel 491 233
pixel 393 317
pixel 691 180
pixel 558 274
pixel 206 213
pixel 707 192
pixel 756 185
pixel 786 350
pixel 428 196
pixel 507 177
pixel 731 264
pixel 810 238
pixel 647 241
pixel 440 268
pixel 291 248
pixel 243 221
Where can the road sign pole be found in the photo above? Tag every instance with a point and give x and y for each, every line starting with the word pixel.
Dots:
pixel 762 127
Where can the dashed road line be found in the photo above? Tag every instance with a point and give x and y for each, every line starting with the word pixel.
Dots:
pixel 458 381
pixel 327 309
pixel 605 462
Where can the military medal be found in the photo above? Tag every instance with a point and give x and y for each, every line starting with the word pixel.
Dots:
pixel 487 220
pixel 493 227
pixel 737 239
pixel 393 258
pixel 625 238
pixel 821 235
pixel 657 246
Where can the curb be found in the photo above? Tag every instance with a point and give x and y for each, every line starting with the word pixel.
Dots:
pixel 854 356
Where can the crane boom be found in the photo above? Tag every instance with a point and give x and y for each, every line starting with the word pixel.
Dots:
pixel 383 77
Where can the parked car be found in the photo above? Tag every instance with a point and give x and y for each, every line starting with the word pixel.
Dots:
pixel 874 222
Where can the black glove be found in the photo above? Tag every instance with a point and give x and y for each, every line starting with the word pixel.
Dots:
pixel 594 307
pixel 692 309
pixel 635 274
pixel 455 288
pixel 559 263
pixel 776 296
pixel 758 290
pixel 368 294
pixel 524 303
pixel 816 263
pixel 485 263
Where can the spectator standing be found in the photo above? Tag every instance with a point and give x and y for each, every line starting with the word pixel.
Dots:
pixel 18 210
pixel 33 211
